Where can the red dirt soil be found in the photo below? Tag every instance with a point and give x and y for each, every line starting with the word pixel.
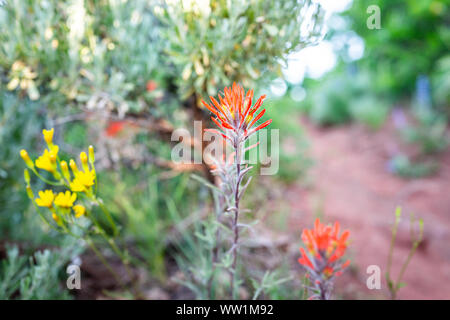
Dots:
pixel 351 183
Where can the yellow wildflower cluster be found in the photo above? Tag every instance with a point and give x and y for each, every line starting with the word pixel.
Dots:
pixel 65 207
pixel 61 204
pixel 47 161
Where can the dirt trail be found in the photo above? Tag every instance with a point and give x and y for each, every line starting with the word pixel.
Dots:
pixel 351 183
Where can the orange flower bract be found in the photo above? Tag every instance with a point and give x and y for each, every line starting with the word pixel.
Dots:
pixel 234 111
pixel 322 257
pixel 325 247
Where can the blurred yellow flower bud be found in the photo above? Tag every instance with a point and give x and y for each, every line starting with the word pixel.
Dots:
pixel 79 210
pixel 26 158
pixel 73 166
pixel 30 193
pixel 48 135
pixel 83 157
pixel 84 161
pixel 91 155
pixel 26 176
pixel 65 170
pixel 56 218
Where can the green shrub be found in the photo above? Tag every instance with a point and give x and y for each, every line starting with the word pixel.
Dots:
pixel 430 133
pixel 38 276
pixel 399 52
pixel 100 54
pixel 214 43
pixel 404 167
pixel 370 111
pixel 441 85
pixel 20 119
pixel 342 97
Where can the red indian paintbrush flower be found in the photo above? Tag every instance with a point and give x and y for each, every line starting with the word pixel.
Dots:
pixel 234 112
pixel 237 120
pixel 324 249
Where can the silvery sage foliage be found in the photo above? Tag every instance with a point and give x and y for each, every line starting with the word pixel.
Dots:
pixel 38 276
pixel 214 42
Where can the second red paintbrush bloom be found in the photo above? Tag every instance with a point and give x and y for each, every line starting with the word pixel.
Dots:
pixel 234 111
pixel 324 244
pixel 322 257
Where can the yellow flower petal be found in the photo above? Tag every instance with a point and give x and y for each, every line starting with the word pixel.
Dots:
pixel 44 162
pixel 79 210
pixel 83 181
pixel 48 135
pixel 45 198
pixel 65 200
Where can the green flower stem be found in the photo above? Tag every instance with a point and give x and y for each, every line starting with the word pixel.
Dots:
pixel 97 251
pixel 104 261
pixel 53 183
pixel 394 287
pixel 235 228
pixel 112 244
pixel 43 217
pixel 122 257
pixel 398 213
pixel 88 240
pixel 118 252
pixel 99 254
pixel 107 214
pixel 96 178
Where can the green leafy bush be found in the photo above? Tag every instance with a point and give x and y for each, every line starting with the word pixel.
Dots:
pixel 37 276
pixel 20 119
pixel 430 132
pixel 100 54
pixel 441 85
pixel 399 52
pixel 403 166
pixel 369 110
pixel 214 43
pixel 342 97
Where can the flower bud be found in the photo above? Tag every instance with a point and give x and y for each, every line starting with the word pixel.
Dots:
pixel 91 155
pixel 56 218
pixel 52 157
pixel 73 166
pixel 83 157
pixel 84 161
pixel 26 158
pixel 26 176
pixel 80 210
pixel 65 170
pixel 30 193
pixel 48 136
